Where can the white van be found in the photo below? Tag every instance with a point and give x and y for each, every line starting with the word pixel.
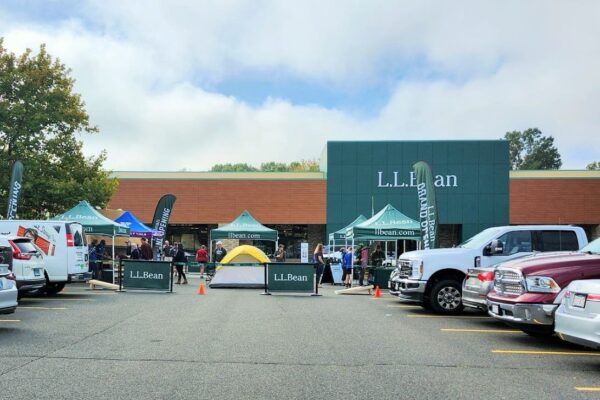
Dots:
pixel 64 247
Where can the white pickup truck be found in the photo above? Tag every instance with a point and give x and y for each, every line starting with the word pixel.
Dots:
pixel 434 277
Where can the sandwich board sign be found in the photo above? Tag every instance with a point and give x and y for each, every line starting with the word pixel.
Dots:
pixel 290 277
pixel 147 275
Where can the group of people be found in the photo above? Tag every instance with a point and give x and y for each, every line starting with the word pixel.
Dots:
pixel 141 252
pixel 361 261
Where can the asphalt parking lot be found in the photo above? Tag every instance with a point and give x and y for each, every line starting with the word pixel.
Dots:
pixel 239 344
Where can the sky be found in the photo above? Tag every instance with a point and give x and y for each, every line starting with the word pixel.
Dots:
pixel 176 85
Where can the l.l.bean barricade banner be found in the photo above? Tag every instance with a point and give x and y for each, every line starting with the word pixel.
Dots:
pixel 146 275
pixel 290 277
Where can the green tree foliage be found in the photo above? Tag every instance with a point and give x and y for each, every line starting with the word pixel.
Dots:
pixel 595 166
pixel 530 150
pixel 271 166
pixel 40 116
pixel 233 168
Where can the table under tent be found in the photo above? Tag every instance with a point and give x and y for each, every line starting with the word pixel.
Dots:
pixel 388 224
pixel 95 223
pixel 242 271
pixel 340 235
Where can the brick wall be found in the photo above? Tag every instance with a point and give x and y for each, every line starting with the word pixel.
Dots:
pixel 553 201
pixel 221 201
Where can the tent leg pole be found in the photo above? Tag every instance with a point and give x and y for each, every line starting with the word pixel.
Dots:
pixel 113 259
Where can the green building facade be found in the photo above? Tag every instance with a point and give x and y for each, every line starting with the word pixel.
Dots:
pixel 471 179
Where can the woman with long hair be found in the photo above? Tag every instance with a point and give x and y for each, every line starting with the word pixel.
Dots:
pixel 319 261
pixel 180 261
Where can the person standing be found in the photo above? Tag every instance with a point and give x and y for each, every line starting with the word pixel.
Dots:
pixel 220 252
pixel 100 255
pixel 280 254
pixel 202 258
pixel 347 265
pixel 364 262
pixel 135 252
pixel 319 261
pixel 146 250
pixel 167 251
pixel 179 260
pixel 93 258
pixel 377 257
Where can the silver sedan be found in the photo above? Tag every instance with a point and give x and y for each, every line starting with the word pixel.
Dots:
pixel 578 317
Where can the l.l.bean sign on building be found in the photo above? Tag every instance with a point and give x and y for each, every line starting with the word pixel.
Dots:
pixel 471 179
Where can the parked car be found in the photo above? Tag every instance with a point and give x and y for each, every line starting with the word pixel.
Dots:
pixel 8 288
pixel 434 277
pixel 28 264
pixel 479 281
pixel 578 316
pixel 63 246
pixel 527 292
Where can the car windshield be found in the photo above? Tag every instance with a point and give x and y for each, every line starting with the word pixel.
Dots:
pixel 481 239
pixel 25 246
pixel 593 247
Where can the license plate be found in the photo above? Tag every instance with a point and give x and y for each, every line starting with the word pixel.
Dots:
pixel 495 309
pixel 37 272
pixel 579 300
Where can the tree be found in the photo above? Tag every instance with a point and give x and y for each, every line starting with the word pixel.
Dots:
pixel 271 166
pixel 595 166
pixel 530 150
pixel 240 167
pixel 40 116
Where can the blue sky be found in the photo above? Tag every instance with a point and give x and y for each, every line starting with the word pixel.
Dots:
pixel 274 80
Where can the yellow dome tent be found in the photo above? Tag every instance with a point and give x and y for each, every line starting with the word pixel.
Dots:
pixel 245 254
pixel 248 274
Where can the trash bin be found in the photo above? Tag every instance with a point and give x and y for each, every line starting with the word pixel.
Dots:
pixel 379 276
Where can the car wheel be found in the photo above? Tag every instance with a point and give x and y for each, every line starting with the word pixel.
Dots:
pixel 446 297
pixel 54 288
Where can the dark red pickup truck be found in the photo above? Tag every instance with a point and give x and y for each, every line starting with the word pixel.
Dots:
pixel 528 291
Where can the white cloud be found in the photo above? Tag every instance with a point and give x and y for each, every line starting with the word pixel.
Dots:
pixel 467 70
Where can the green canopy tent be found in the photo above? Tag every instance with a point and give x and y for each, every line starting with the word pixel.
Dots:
pixel 244 227
pixel 341 234
pixel 387 224
pixel 94 223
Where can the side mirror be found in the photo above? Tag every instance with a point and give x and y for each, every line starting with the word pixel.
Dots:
pixel 496 247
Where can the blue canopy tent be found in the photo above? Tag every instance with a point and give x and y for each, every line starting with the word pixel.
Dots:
pixel 136 228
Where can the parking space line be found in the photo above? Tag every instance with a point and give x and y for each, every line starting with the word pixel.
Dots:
pixel 481 330
pixel 447 316
pixel 403 306
pixel 41 308
pixel 10 320
pixel 56 299
pixel 587 389
pixel 548 353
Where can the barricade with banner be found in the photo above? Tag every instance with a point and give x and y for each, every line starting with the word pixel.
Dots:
pixel 290 278
pixel 146 275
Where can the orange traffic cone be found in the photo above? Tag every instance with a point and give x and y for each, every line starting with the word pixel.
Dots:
pixel 201 288
pixel 377 292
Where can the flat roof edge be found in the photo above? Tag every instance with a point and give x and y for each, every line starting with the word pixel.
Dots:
pixel 185 175
pixel 555 174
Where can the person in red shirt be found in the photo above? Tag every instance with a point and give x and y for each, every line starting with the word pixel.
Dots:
pixel 202 258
